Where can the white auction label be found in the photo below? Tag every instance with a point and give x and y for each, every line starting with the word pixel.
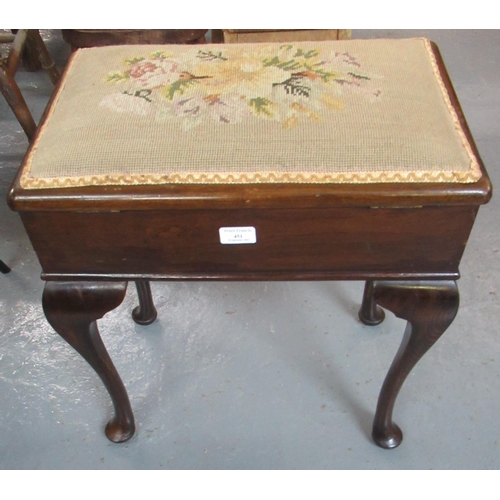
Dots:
pixel 238 235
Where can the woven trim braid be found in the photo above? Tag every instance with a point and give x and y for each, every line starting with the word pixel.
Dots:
pixel 252 178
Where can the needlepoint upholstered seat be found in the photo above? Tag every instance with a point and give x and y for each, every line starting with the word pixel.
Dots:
pixel 265 113
pixel 280 161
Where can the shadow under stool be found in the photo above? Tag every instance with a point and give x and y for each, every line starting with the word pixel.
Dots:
pixel 4 268
pixel 327 160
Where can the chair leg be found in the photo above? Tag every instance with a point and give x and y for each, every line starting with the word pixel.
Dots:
pixel 15 100
pixel 29 57
pixel 145 313
pixel 4 268
pixel 370 313
pixel 37 46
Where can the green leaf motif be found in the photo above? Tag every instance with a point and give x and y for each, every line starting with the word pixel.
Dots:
pixel 180 87
pixel 306 55
pixel 261 106
pixel 209 55
pixel 298 61
pixel 289 65
pixel 326 76
pixel 271 62
pixel 143 94
pixel 359 77
pixel 117 77
pixel 158 55
pixel 134 60
pixel 293 63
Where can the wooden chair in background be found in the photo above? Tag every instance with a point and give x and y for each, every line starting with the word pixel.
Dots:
pixel 98 38
pixel 23 42
pixel 28 46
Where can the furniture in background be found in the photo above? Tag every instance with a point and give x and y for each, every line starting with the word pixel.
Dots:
pixel 99 38
pixel 346 160
pixel 20 42
pixel 249 36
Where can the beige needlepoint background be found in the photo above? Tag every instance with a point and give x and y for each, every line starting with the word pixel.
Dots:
pixel 326 112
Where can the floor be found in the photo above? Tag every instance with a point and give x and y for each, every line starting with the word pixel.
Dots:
pixel 257 375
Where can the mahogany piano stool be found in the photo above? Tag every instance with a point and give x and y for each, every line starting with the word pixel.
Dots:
pixel 326 160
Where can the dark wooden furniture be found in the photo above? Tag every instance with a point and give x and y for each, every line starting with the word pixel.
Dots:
pixel 21 42
pixel 99 38
pixel 256 35
pixel 404 239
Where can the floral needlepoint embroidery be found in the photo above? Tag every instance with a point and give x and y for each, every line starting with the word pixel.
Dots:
pixel 286 84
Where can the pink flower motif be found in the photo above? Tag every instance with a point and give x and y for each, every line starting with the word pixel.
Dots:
pixel 141 68
pixel 152 74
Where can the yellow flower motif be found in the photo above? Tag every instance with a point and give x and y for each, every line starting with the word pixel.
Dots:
pixel 331 101
pixel 290 122
pixel 300 108
pixel 296 111
pixel 245 74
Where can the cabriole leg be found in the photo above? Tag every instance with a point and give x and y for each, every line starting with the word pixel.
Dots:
pixel 429 307
pixel 72 308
